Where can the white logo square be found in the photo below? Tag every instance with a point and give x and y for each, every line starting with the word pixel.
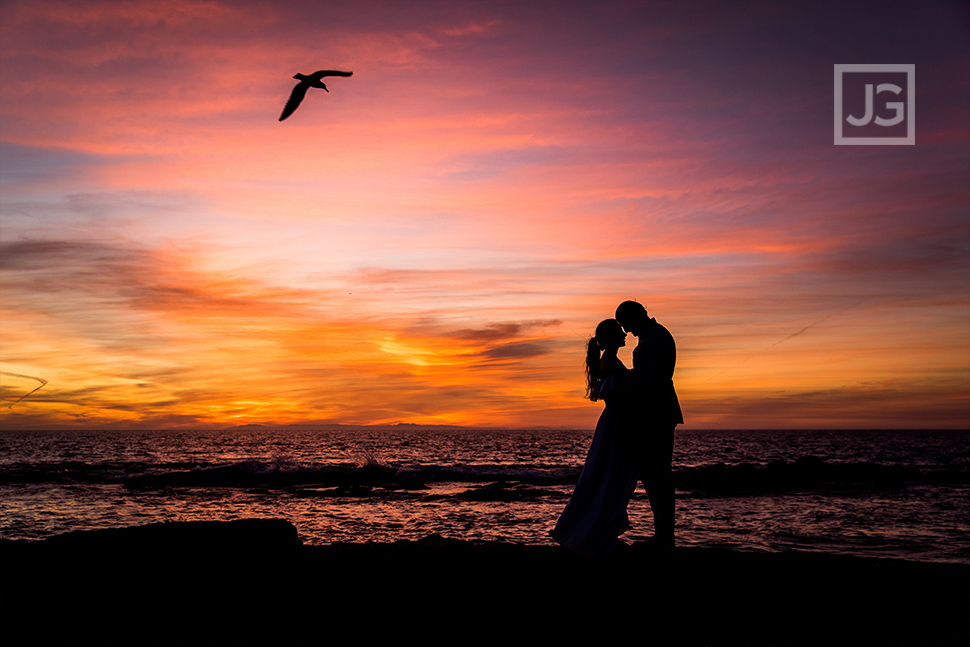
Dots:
pixel 875 104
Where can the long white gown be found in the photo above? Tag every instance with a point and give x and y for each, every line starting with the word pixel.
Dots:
pixel 596 514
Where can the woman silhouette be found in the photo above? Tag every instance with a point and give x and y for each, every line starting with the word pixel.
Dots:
pixel 596 515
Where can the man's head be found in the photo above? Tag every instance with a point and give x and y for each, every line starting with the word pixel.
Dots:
pixel 632 316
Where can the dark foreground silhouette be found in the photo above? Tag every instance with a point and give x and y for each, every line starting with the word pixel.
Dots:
pixel 252 581
pixel 306 82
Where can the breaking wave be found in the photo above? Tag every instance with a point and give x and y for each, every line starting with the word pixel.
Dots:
pixel 369 472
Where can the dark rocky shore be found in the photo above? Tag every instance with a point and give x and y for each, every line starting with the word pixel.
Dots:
pixel 251 581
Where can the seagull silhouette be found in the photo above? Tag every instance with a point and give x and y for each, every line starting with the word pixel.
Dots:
pixel 311 81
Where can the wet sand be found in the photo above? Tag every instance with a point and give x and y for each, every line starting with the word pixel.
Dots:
pixel 252 582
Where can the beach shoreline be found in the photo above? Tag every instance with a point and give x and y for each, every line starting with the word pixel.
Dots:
pixel 253 580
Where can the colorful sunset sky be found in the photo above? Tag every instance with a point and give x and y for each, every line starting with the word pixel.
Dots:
pixel 434 240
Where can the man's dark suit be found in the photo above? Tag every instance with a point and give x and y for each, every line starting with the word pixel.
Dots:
pixel 656 414
pixel 653 367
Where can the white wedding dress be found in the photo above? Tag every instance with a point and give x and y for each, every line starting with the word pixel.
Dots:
pixel 596 514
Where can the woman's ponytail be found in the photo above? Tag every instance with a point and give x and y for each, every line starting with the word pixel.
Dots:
pixel 609 336
pixel 593 352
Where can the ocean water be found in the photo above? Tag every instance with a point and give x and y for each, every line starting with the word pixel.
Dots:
pixel 903 494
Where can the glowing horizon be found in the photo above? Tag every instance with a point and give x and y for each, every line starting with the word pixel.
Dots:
pixel 433 240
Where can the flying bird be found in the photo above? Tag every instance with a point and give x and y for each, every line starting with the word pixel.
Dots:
pixel 311 81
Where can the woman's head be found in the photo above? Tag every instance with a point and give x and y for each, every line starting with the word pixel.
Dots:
pixel 609 336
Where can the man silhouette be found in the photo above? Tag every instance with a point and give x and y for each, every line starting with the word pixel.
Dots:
pixel 656 413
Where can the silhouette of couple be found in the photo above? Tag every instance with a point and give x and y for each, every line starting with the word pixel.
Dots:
pixel 634 437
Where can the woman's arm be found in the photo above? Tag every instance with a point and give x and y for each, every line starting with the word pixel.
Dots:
pixel 611 366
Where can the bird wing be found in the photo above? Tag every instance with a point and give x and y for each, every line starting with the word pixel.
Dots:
pixel 295 98
pixel 322 73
